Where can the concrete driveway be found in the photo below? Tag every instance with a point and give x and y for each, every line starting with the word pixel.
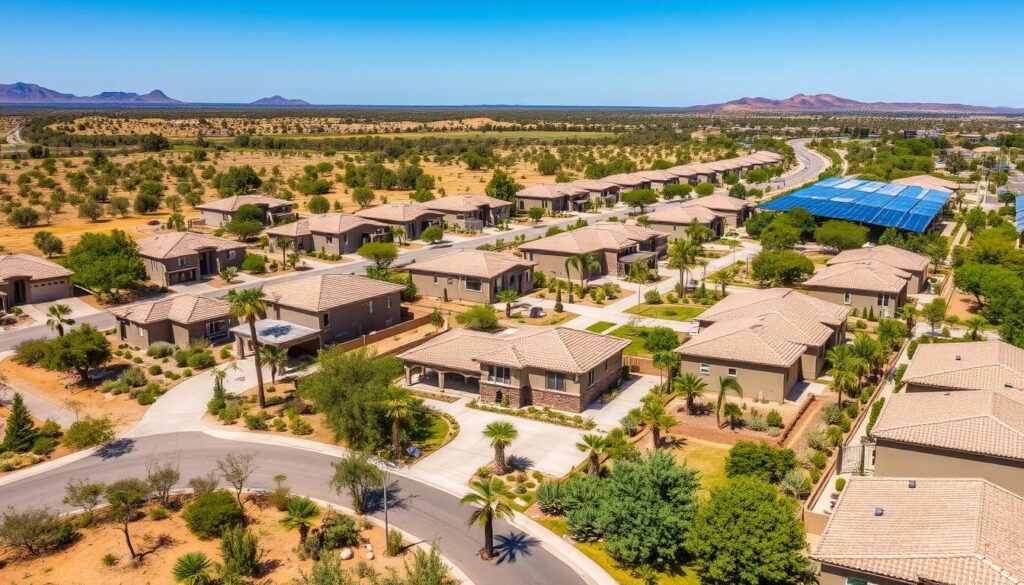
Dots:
pixel 607 416
pixel 546 447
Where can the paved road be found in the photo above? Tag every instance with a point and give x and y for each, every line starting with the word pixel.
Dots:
pixel 416 508
pixel 813 165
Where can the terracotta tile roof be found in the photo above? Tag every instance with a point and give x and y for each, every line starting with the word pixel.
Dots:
pixel 679 215
pixel 474 263
pixel 327 291
pixel 627 179
pixel 962 531
pixel 657 175
pixel 987 422
pixel 600 236
pixel 551 191
pixel 784 301
pixel 14 265
pixel 594 184
pixel 229 204
pixel 683 171
pixel 982 365
pixel 326 223
pixel 465 203
pixel 929 182
pixel 399 212
pixel 766 156
pixel 719 203
pixel 865 275
pixel 183 244
pixel 184 309
pixel 558 349
pixel 891 255
pixel 768 340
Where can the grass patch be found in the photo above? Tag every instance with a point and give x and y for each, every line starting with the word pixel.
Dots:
pixel 706 457
pixel 637 337
pixel 430 435
pixel 600 326
pixel 668 312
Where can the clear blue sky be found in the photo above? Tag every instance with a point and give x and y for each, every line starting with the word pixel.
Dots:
pixel 572 53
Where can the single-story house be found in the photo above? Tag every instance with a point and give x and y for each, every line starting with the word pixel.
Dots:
pixel 220 211
pixel 604 191
pixel 411 217
pixel 557 367
pixel 929 182
pixel 331 233
pixel 674 220
pixel 684 174
pixel 901 531
pixel 733 210
pixel 629 181
pixel 953 434
pixel 339 306
pixel 976 365
pixel 615 246
pixel 553 197
pixel 472 275
pixel 179 320
pixel 914 264
pixel 187 257
pixel 866 285
pixel 26 279
pixel 472 212
pixel 767 339
pixel 658 179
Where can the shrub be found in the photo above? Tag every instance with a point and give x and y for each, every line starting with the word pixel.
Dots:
pixel 299 426
pixel 773 419
pixel 254 263
pixel 201 360
pixel 203 484
pixel 225 353
pixel 652 297
pixel 755 422
pixel 155 370
pixel 759 459
pixel 108 560
pixel 133 377
pixel 186 373
pixel 89 432
pixel 255 422
pixel 584 523
pixel 339 531
pixel 43 445
pixel 549 498
pixel 145 398
pixel 240 548
pixel 212 513
pixel 819 459
pixel 816 440
pixel 49 428
pixel 160 349
pixel 835 435
pixel 394 543
pixel 158 513
pixel 35 530
pixel 840 483
pixel 31 351
pixel 831 414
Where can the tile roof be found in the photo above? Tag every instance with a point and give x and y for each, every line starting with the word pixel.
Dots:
pixel 865 275
pixel 928 182
pixel 229 204
pixel 326 223
pixel 465 203
pixel 599 236
pixel 977 365
pixel 474 263
pixel 594 184
pixel 784 301
pixel 183 244
pixel 327 291
pixel 551 191
pixel 657 175
pixel 627 179
pixel 680 215
pixel 13 265
pixel 184 309
pixel 719 203
pixel 891 255
pixel 768 340
pixel 986 422
pixel 399 212
pixel 962 531
pixel 558 349
pixel 683 171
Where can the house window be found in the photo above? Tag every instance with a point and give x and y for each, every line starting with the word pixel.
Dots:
pixel 883 300
pixel 856 581
pixel 327 319
pixel 847 298
pixel 389 302
pixel 141 331
pixel 556 381
pixel 330 239
pixel 345 239
pixel 732 372
pixel 705 369
pixel 181 261
pixel 449 280
pixel 435 279
pixel 499 375
pixel 590 378
pixel 473 284
pixel 371 307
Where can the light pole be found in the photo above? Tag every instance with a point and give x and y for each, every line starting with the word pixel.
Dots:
pixel 385 466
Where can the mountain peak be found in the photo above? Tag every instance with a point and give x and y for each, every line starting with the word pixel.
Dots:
pixel 827 102
pixel 276 100
pixel 30 93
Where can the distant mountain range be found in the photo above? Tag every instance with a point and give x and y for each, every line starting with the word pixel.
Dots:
pixel 825 103
pixel 30 93
pixel 276 100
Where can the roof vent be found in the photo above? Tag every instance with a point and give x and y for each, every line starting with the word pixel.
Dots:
pixel 957 357
pixel 1008 385
pixel 879 510
pixel 912 483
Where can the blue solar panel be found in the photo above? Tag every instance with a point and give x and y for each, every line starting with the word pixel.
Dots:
pixel 1019 201
pixel 871 202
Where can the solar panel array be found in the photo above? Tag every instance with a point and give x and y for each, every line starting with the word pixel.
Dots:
pixel 1020 213
pixel 905 207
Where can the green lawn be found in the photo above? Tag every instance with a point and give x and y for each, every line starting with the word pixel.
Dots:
pixel 600 326
pixel 636 336
pixel 669 312
pixel 431 434
pixel 706 457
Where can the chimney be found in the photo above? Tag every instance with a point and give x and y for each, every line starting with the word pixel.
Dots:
pixel 957 357
pixel 912 483
pixel 879 510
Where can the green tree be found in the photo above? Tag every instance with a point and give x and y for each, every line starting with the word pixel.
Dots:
pixel 432 235
pixel 491 501
pixel 237 181
pixel 105 263
pixel 478 317
pixel 175 222
pixel 399 407
pixel 779 236
pixel 535 213
pixel 363 196
pixel 23 217
pixel 120 206
pixel 726 384
pixel 47 243
pixel 782 267
pixel 844 369
pixel 381 254
pixel 704 189
pixel 934 312
pixel 502 186
pixel 690 386
pixel 640 198
pixel 501 435
pixel 508 296
pixel 659 339
pixel 748 534
pixel 301 514
pixel 653 414
pixel 79 350
pixel 276 358
pixel 682 256
pixel 594 446
pixel 20 430
pixel 90 209
pixel 147 200
pixel 759 459
pixel 57 317
pixel 358 475
pixel 318 204
pixel 126 498
pixel 248 305
pixel 841 235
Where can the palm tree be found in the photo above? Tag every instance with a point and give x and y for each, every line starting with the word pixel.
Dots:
pixel 870 351
pixel 282 244
pixel 501 434
pixel 585 264
pixel 733 412
pixel 398 407
pixel 698 232
pixel 228 274
pixel 845 365
pixel 725 384
pixel 302 514
pixel 682 256
pixel 57 317
pixel 248 304
pixel 909 313
pixel 664 360
pixel 653 415
pixel 594 446
pixel 690 386
pixel 397 234
pixel 276 359
pixel 974 326
pixel 508 296
pixel 492 499
pixel 723 277
pixel 192 568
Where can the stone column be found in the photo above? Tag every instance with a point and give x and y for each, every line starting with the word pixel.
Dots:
pixel 440 380
pixel 408 375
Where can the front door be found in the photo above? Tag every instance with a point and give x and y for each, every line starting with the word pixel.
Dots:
pixel 205 263
pixel 20 292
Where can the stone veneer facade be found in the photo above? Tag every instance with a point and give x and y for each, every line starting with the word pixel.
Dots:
pixel 566 401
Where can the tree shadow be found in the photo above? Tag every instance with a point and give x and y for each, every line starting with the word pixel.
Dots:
pixel 115 449
pixel 513 545
pixel 374 501
pixel 519 463
pixel 161 541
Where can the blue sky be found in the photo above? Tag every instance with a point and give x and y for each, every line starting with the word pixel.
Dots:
pixel 525 52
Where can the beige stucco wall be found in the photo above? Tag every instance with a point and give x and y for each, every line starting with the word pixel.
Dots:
pixel 831 575
pixel 757 381
pixel 859 300
pixel 39 291
pixel 347 321
pixel 894 459
pixel 434 285
pixel 143 335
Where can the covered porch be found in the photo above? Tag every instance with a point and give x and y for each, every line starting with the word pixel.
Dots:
pixel 626 262
pixel 430 377
pixel 278 334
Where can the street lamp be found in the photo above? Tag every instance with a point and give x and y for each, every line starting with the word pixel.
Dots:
pixel 385 466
